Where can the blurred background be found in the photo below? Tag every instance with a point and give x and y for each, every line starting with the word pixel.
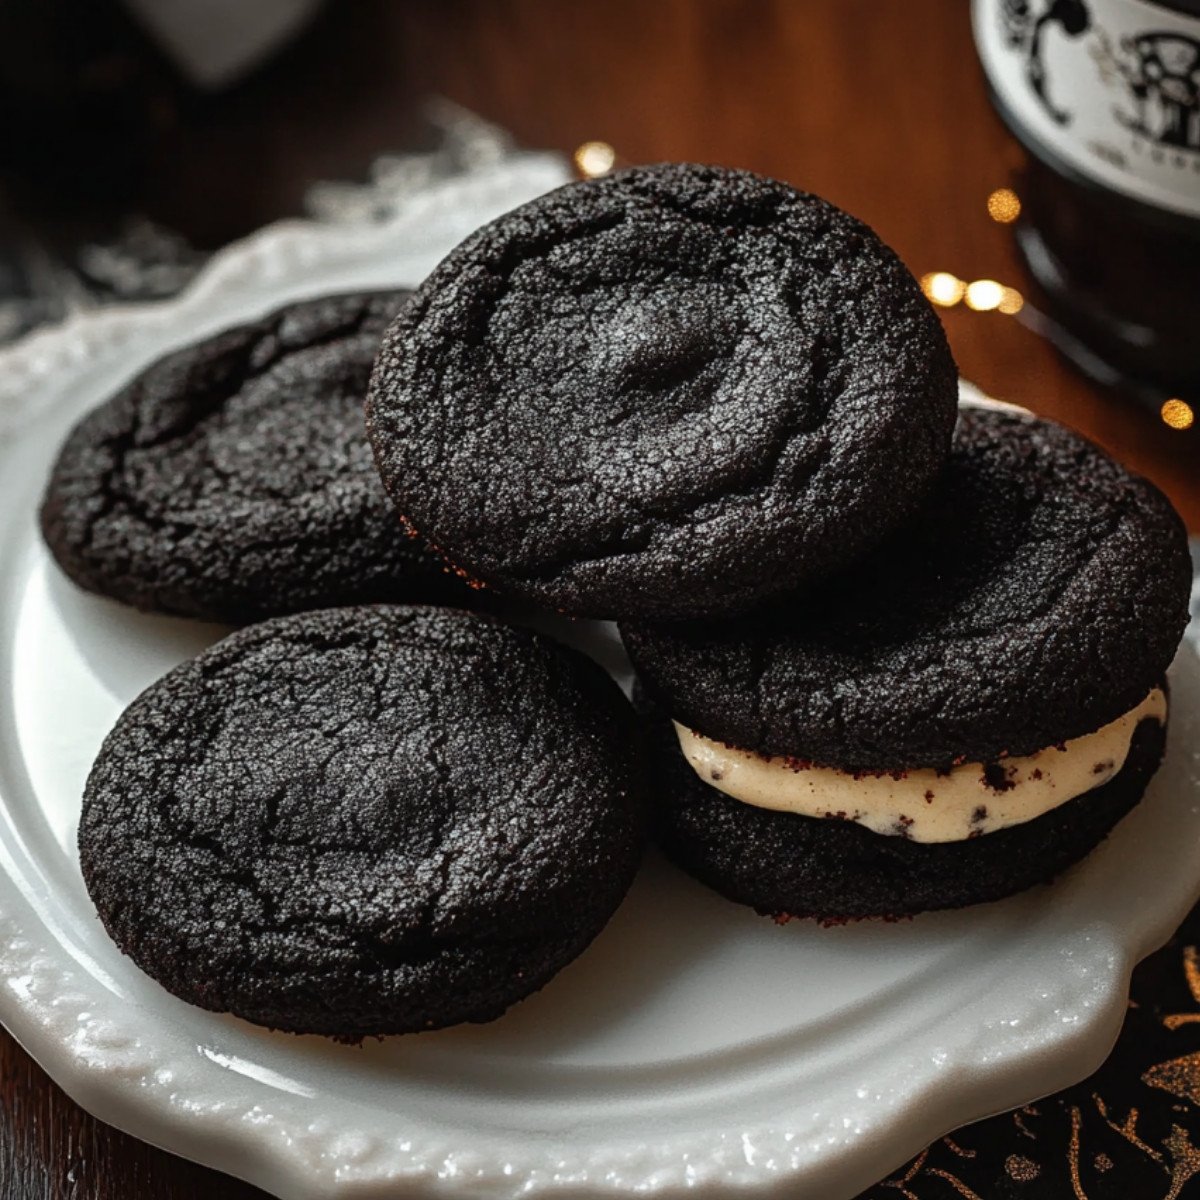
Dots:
pixel 137 136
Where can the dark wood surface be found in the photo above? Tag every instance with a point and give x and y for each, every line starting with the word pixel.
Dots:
pixel 881 107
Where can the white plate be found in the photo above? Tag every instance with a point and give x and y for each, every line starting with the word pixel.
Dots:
pixel 694 1047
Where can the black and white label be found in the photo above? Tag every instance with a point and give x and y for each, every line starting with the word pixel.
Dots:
pixel 1112 87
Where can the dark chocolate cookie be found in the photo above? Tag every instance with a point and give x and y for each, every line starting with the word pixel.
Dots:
pixel 672 392
pixel 232 480
pixel 1039 596
pixel 365 821
pixel 787 865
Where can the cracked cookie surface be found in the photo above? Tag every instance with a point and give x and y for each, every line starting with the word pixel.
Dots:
pixel 232 480
pixel 365 820
pixel 1040 595
pixel 671 392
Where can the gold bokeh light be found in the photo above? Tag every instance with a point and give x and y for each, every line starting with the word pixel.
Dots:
pixel 983 295
pixel 943 288
pixel 594 159
pixel 1178 414
pixel 1011 301
pixel 1004 205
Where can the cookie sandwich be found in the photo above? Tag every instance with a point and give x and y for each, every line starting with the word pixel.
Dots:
pixel 961 714
pixel 676 391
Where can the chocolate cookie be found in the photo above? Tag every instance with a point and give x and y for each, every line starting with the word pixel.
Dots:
pixel 946 696
pixel 365 821
pixel 232 480
pixel 673 392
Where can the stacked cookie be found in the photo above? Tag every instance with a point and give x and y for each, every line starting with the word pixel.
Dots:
pixel 671 393
pixel 889 668
pixel 965 712
pixel 892 657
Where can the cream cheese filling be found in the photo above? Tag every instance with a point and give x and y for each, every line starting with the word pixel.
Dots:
pixel 923 804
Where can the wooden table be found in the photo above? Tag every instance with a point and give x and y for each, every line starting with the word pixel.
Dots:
pixel 880 107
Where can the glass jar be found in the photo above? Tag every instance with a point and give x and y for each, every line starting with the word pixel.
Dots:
pixel 1105 96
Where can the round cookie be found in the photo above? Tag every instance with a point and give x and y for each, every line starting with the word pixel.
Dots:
pixel 672 392
pixel 365 821
pixel 232 480
pixel 1039 597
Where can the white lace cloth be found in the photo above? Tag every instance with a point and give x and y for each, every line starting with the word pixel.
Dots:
pixel 388 232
